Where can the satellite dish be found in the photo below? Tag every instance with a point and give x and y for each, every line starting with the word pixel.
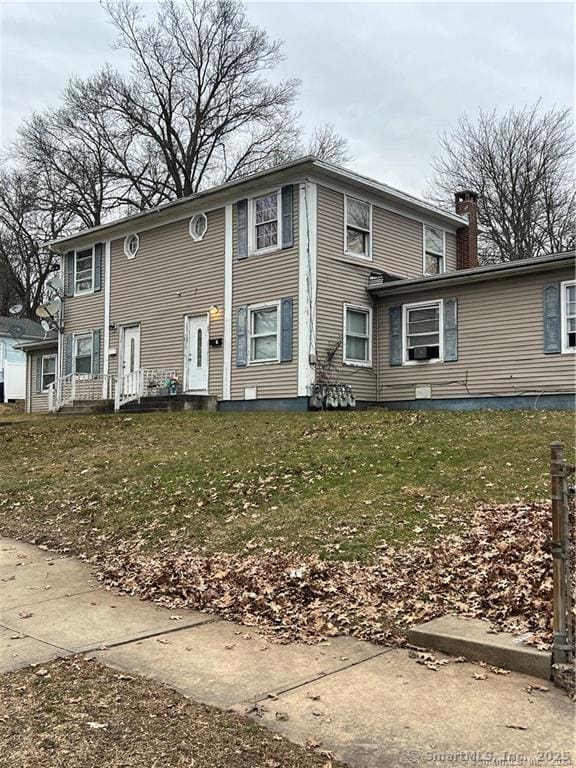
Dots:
pixel 45 325
pixel 42 312
pixel 15 309
pixel 55 282
pixel 54 307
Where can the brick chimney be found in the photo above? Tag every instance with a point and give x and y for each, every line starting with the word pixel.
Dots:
pixel 467 237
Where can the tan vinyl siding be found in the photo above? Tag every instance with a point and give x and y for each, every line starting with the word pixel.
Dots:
pixel 500 344
pixel 450 252
pixel 171 277
pixel 38 401
pixel 260 278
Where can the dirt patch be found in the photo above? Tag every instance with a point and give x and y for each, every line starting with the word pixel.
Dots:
pixel 79 714
pixel 500 570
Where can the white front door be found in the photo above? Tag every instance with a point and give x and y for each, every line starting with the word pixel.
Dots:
pixel 130 356
pixel 197 353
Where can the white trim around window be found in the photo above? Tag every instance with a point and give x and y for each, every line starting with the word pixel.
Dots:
pixel 252 309
pixel 433 253
pixel 52 359
pixel 366 336
pixel 367 254
pixel 253 224
pixel 82 275
pixel 131 245
pixel 197 233
pixel 82 337
pixel 406 309
pixel 567 314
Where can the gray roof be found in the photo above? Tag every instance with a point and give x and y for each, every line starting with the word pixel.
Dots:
pixel 279 173
pixel 381 284
pixel 21 328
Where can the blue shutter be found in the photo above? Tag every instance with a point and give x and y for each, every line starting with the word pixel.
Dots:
pixel 242 337
pixel 69 273
pixel 286 331
pixel 242 228
pixel 98 248
pixel 395 333
pixel 450 330
pixel 69 350
pixel 39 374
pixel 95 353
pixel 287 216
pixel 552 319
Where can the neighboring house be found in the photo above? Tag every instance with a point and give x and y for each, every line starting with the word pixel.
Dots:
pixel 13 332
pixel 267 291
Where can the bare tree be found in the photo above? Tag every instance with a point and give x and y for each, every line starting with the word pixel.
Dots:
pixel 521 165
pixel 25 227
pixel 197 107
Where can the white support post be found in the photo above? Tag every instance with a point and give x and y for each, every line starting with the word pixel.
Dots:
pixel 307 283
pixel 106 358
pixel 228 267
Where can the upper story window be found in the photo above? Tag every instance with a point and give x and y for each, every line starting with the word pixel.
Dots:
pixel 434 250
pixel 358 215
pixel 266 222
pixel 84 271
pixel 83 353
pixel 357 335
pixel 263 330
pixel 423 332
pixel 48 371
pixel 198 226
pixel 569 316
pixel 131 246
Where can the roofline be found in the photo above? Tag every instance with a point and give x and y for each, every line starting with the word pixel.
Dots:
pixel 32 346
pixel 308 163
pixel 476 275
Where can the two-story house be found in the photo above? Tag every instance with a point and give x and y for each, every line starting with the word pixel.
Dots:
pixel 274 290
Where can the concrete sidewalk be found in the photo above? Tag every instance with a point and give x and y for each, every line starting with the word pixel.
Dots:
pixel 369 705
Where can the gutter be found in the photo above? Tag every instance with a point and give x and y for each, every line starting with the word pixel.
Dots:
pixel 309 166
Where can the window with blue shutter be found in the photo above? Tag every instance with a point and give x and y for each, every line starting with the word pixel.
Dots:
pixel 98 251
pixel 69 269
pixel 286 333
pixel 395 335
pixel 241 337
pixel 552 319
pixel 287 216
pixel 242 229
pixel 450 330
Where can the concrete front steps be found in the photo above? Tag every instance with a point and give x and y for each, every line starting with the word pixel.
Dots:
pixel 158 403
pixel 83 407
pixel 473 639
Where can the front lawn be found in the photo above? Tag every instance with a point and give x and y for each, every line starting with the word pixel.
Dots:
pixel 336 484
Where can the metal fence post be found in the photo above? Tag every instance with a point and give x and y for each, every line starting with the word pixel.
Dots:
pixel 562 648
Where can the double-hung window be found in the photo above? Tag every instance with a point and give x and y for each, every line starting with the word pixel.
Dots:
pixel 84 271
pixel 263 330
pixel 358 227
pixel 48 371
pixel 83 348
pixel 434 250
pixel 569 316
pixel 357 336
pixel 423 332
pixel 266 222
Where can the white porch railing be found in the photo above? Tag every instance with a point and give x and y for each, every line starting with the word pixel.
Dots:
pixel 143 382
pixel 79 386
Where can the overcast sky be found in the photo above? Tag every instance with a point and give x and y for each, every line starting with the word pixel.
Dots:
pixel 389 76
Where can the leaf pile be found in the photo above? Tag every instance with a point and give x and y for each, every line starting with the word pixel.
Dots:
pixel 499 569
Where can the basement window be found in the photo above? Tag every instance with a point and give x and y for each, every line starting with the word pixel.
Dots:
pixel 423 332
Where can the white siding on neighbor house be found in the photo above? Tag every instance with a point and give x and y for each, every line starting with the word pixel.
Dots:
pixel 500 344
